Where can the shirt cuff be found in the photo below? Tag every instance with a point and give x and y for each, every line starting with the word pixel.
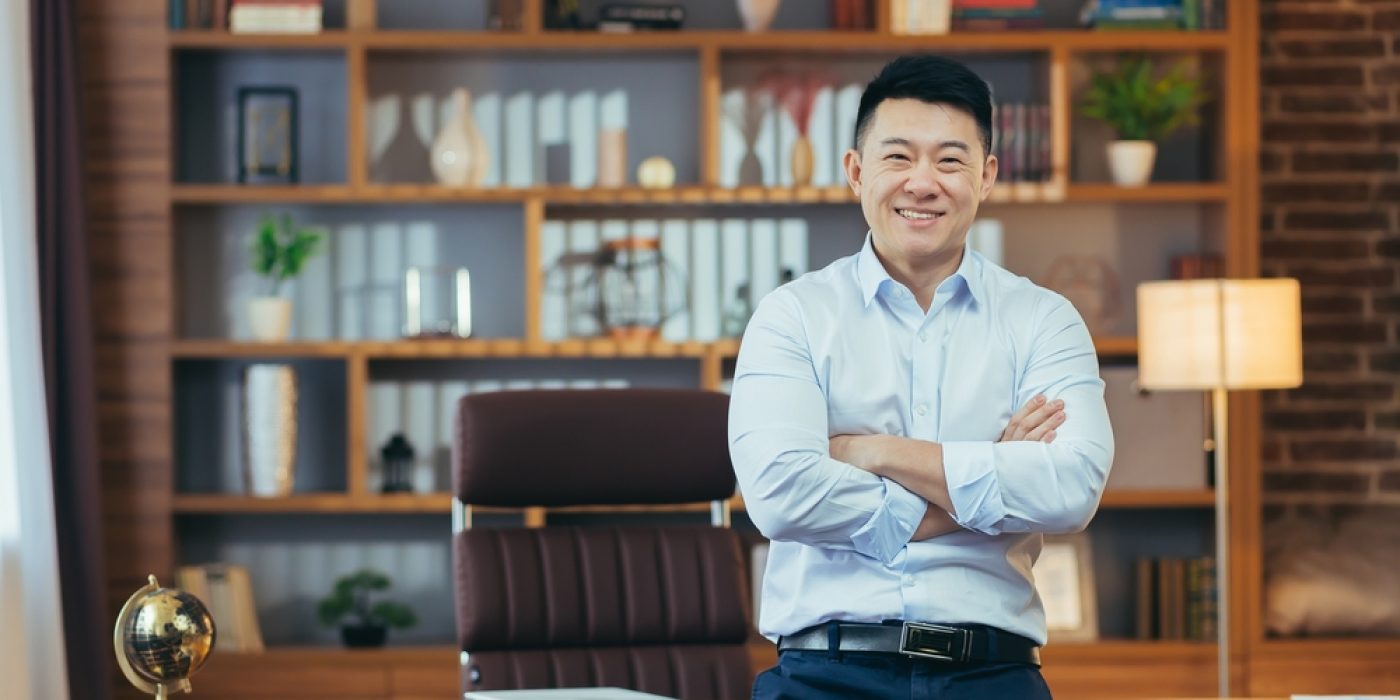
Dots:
pixel 970 471
pixel 887 532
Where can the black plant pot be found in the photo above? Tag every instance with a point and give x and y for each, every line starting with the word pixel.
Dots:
pixel 362 636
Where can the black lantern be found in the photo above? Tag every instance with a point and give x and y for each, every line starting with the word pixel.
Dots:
pixel 397 459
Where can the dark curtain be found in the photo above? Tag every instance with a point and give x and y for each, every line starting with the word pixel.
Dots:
pixel 65 316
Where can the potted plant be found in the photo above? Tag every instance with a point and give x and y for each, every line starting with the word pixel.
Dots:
pixel 1142 108
pixel 363 623
pixel 279 251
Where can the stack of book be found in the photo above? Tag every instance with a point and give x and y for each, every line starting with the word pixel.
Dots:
pixel 1176 599
pixel 198 14
pixel 1155 14
pixel 275 17
pixel 997 15
pixel 227 593
pixel 1022 144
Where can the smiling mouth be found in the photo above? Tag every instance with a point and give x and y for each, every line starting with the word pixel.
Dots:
pixel 915 215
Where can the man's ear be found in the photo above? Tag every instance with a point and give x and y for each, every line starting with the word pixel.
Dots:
pixel 851 162
pixel 989 176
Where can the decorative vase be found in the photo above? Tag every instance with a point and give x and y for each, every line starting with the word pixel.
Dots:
pixel 363 636
pixel 802 160
pixel 459 155
pixel 758 14
pixel 612 157
pixel 269 429
pixel 270 318
pixel 1130 162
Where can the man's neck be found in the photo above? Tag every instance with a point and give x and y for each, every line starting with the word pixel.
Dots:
pixel 922 277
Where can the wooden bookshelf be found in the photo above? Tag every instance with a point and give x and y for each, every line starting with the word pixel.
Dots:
pixel 136 377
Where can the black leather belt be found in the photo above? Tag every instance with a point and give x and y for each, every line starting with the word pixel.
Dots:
pixel 919 640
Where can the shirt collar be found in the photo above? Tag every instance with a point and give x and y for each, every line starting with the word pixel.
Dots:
pixel 871 273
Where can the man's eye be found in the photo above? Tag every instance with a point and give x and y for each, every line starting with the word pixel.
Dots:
pixel 895 156
pixel 951 160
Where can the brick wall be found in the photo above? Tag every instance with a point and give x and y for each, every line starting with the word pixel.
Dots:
pixel 1330 172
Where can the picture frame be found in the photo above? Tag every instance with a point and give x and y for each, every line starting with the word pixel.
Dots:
pixel 267 135
pixel 1064 578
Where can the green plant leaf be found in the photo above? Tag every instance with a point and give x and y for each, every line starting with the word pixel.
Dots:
pixel 1138 106
pixel 394 614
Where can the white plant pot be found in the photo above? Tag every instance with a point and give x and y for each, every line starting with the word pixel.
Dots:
pixel 270 318
pixel 758 14
pixel 1130 162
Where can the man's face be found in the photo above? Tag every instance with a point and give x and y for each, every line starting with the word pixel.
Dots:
pixel 920 174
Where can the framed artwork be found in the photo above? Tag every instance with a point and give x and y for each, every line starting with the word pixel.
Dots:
pixel 267 135
pixel 1064 577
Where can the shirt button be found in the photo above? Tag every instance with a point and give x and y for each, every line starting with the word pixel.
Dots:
pixel 923 336
pixel 908 580
pixel 921 409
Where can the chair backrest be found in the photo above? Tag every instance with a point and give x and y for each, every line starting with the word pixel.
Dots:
pixel 651 607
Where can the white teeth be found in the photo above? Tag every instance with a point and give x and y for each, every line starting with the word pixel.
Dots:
pixel 908 214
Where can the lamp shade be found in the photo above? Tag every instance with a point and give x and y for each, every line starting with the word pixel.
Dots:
pixel 1220 333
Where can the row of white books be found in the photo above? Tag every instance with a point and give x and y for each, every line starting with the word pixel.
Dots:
pixel 275 17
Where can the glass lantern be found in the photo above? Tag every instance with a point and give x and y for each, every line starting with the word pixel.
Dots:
pixel 637 288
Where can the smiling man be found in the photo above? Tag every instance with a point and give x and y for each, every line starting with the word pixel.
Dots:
pixel 900 425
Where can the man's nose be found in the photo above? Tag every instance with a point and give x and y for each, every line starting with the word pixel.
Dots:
pixel 922 180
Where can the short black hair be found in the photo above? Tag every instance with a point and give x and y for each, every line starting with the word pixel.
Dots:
pixel 931 79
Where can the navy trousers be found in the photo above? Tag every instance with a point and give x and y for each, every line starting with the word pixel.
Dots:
pixel 824 675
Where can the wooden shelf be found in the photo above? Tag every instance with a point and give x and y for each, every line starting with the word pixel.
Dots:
pixel 725 41
pixel 210 39
pixel 1203 498
pixel 312 503
pixel 1003 193
pixel 1166 192
pixel 502 348
pixel 233 504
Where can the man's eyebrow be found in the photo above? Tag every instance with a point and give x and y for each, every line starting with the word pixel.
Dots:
pixel 899 141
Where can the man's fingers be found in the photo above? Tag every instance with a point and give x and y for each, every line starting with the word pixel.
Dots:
pixel 1046 427
pixel 1016 429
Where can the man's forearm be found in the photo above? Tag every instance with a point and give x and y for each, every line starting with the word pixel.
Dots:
pixel 916 465
pixel 936 522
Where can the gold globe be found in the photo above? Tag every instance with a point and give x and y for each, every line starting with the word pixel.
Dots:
pixel 162 636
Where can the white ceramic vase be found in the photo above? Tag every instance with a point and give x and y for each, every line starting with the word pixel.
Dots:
pixel 270 318
pixel 1130 162
pixel 459 155
pixel 269 429
pixel 758 14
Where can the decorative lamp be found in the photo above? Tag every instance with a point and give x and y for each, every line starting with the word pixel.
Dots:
pixel 1220 335
pixel 397 459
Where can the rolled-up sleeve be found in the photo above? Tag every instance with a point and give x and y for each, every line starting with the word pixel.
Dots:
pixel 1012 487
pixel 778 441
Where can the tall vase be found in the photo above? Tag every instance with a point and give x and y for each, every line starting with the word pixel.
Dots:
pixel 758 14
pixel 802 160
pixel 459 155
pixel 269 429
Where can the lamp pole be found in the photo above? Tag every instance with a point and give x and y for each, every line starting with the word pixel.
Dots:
pixel 1220 402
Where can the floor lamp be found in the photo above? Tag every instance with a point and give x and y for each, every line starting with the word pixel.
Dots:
pixel 1220 335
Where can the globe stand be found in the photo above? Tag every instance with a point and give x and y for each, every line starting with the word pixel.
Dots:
pixel 162 636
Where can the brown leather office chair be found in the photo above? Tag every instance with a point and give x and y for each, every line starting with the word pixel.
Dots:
pixel 651 607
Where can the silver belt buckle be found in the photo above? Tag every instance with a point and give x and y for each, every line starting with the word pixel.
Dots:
pixel 922 640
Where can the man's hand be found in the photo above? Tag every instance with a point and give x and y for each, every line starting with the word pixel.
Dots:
pixel 1036 421
pixel 861 451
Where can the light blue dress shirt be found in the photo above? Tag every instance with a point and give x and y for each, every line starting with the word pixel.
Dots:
pixel 848 350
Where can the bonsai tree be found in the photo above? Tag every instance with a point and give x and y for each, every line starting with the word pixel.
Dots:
pixel 1140 106
pixel 362 621
pixel 280 251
